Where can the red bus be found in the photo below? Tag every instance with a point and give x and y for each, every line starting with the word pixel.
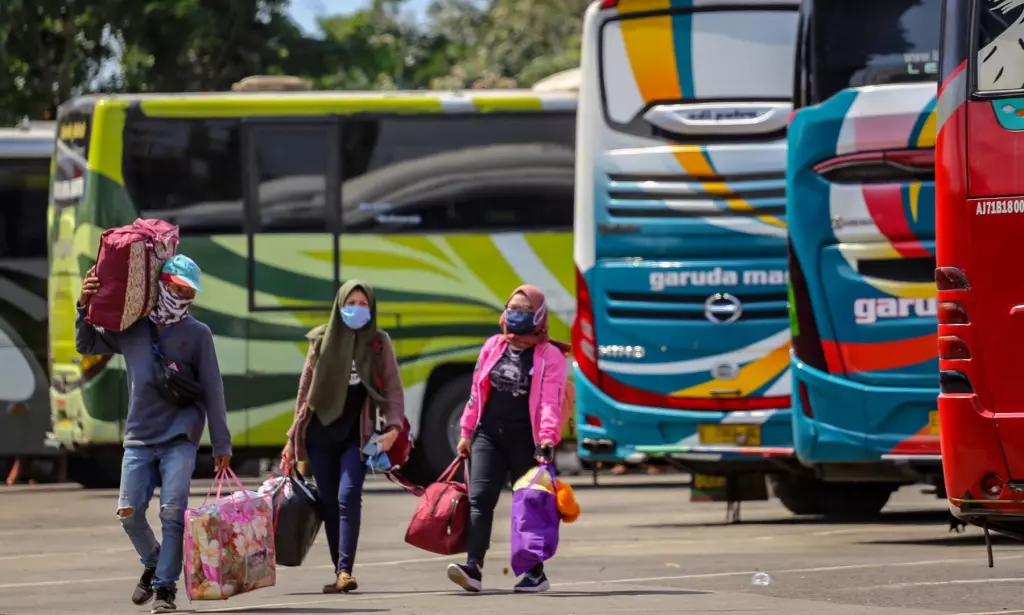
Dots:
pixel 979 224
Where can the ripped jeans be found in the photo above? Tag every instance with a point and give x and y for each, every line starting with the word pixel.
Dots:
pixel 173 463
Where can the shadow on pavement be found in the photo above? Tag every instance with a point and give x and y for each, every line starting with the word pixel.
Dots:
pixel 662 484
pixel 307 609
pixel 557 593
pixel 950 540
pixel 903 517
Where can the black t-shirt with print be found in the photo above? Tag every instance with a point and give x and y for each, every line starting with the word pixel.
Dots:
pixel 343 432
pixel 508 404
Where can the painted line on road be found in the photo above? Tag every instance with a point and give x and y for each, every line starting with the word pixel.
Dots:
pixel 933 583
pixel 399 562
pixel 64 530
pixel 136 578
pixel 65 554
pixel 993 613
pixel 844 531
pixel 681 577
pixel 67 582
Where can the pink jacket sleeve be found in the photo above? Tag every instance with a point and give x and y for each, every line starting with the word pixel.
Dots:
pixel 552 387
pixel 471 414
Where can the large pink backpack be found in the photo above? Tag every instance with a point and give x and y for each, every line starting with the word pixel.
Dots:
pixel 128 267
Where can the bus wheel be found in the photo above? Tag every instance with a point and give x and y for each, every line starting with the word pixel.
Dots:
pixel 95 471
pixel 801 495
pixel 439 431
pixel 858 501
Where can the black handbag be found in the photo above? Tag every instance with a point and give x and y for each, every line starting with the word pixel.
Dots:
pixel 173 387
pixel 297 519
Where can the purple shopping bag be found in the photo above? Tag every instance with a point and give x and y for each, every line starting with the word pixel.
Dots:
pixel 535 520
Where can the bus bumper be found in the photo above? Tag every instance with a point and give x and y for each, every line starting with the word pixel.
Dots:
pixel 614 431
pixel 973 459
pixel 850 423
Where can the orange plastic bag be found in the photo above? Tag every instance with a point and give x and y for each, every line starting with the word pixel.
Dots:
pixel 567 504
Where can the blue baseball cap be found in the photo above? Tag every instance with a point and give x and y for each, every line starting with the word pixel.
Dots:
pixel 182 270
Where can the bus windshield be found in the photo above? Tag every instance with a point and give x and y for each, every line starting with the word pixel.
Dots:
pixel 680 235
pixel 873 42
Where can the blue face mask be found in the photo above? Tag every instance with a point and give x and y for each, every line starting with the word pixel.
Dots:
pixel 520 323
pixel 376 460
pixel 355 316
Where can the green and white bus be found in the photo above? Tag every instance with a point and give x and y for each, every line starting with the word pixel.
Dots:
pixel 444 201
pixel 25 153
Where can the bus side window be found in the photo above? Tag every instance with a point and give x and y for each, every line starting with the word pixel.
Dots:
pixel 292 169
pixel 999 65
pixel 536 208
pixel 187 172
pixel 23 193
pixel 459 173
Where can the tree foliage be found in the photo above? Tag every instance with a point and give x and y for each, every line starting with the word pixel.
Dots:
pixel 510 42
pixel 52 50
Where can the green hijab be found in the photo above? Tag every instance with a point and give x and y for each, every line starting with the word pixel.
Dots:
pixel 338 346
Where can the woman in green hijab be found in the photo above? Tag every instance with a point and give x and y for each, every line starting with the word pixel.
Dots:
pixel 335 416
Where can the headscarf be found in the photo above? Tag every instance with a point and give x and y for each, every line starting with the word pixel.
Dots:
pixel 170 307
pixel 540 320
pixel 339 345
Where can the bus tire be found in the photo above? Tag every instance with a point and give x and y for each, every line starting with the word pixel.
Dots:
pixel 444 406
pixel 858 501
pixel 801 495
pixel 95 471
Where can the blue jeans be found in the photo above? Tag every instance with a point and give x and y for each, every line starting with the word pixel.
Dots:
pixel 173 462
pixel 339 472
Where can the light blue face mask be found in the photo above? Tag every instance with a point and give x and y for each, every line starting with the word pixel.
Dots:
pixel 376 459
pixel 355 316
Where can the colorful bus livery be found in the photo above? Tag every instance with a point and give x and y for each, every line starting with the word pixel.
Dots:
pixel 444 201
pixel 682 333
pixel 860 188
pixel 980 220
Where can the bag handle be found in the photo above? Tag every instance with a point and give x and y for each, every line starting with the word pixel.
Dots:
pixel 541 468
pixel 452 469
pixel 446 476
pixel 397 478
pixel 218 481
pixel 292 472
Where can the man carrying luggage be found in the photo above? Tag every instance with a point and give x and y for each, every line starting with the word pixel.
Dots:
pixel 161 437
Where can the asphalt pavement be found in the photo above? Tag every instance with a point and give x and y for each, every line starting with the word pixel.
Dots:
pixel 639 547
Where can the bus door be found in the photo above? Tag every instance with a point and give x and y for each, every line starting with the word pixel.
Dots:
pixel 291 173
pixel 995 214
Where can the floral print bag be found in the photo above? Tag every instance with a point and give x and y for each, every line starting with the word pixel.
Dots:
pixel 229 543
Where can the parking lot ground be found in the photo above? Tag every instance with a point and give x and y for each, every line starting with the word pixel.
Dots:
pixel 640 547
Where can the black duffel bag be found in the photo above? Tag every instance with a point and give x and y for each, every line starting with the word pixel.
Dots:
pixel 296 518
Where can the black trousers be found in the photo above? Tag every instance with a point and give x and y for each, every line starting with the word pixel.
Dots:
pixel 500 455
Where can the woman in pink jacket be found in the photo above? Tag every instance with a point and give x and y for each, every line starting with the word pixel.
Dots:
pixel 513 419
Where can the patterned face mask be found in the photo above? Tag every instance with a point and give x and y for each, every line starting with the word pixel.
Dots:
pixel 170 307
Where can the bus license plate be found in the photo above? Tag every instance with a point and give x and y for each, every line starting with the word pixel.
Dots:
pixel 933 422
pixel 739 435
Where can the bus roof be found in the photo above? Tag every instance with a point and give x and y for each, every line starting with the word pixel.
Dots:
pixel 30 140
pixel 646 6
pixel 197 104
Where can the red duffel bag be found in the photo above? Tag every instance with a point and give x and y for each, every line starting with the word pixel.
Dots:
pixel 442 516
pixel 128 266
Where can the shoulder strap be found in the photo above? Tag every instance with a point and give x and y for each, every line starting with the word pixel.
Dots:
pixel 395 476
pixel 376 346
pixel 154 338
